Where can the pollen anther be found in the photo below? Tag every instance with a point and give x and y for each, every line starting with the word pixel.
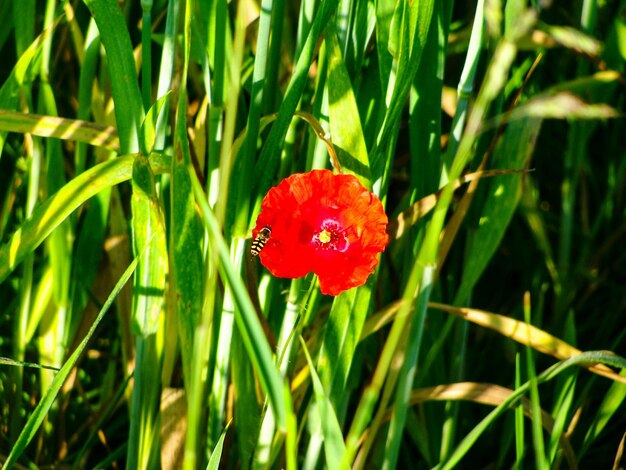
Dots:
pixel 324 236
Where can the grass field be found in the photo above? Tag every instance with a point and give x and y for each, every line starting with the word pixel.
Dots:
pixel 140 142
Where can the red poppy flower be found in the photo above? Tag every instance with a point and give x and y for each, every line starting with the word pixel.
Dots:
pixel 325 223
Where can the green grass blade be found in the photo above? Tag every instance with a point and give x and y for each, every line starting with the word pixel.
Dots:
pixel 269 158
pixel 520 441
pixel 590 357
pixel 7 361
pixel 35 420
pixel 148 231
pixel 129 111
pixel 24 21
pixel 407 36
pixel 345 122
pixel 334 447
pixel 535 405
pixel 514 151
pixel 465 87
pixel 245 316
pixel 284 349
pixel 216 454
pixel 57 208
pixel 613 400
pixel 407 374
pixel 23 73
pixel 149 237
pixel 244 165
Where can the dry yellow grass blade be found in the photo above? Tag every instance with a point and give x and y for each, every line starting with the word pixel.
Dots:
pixel 525 334
pixel 519 331
pixel 620 453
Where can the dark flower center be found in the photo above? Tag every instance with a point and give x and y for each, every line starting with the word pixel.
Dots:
pixel 331 237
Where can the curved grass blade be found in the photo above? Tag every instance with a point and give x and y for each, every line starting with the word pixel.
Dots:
pixel 399 225
pixel 216 453
pixel 526 334
pixel 7 361
pixel 485 394
pixel 57 208
pixel 334 447
pixel 35 420
pixel 584 359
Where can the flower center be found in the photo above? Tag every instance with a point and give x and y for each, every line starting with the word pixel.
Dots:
pixel 325 236
pixel 331 237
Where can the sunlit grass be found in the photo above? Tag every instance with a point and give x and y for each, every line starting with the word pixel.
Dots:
pixel 138 141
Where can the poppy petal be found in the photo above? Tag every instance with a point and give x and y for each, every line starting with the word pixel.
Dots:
pixel 325 223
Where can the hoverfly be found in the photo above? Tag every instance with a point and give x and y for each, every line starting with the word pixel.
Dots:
pixel 260 240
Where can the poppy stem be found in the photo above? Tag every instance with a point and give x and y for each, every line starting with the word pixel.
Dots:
pixel 323 136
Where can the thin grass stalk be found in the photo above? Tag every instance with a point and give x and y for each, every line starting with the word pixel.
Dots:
pixel 577 140
pixel 25 293
pixel 344 25
pixel 317 154
pixel 520 446
pixel 537 431
pixel 164 86
pixel 85 87
pixel 219 386
pixel 216 399
pixel 464 90
pixel 273 57
pixel 143 441
pixel 129 112
pixel 407 373
pixel 247 322
pixel 451 419
pixel 61 240
pixel 146 53
pixel 562 411
pixel 284 347
pixel 24 21
pixel 245 161
pixel 220 83
pixel 193 455
pixel 305 18
pixel 166 69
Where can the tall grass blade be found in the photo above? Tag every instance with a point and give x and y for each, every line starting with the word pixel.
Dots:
pixel 35 420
